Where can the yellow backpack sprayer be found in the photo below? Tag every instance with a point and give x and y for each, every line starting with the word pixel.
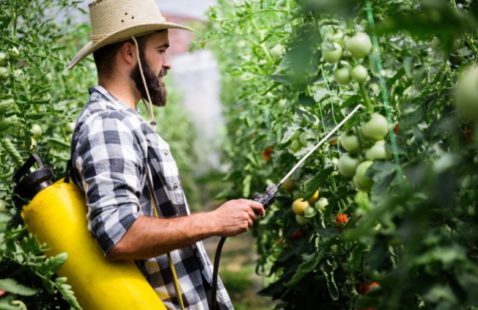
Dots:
pixel 56 215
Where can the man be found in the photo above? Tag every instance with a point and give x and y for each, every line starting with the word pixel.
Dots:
pixel 123 166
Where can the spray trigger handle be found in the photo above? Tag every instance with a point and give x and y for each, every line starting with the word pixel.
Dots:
pixel 267 198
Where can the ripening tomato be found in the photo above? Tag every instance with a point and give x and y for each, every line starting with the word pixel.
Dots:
pixel 314 197
pixel 364 288
pixel 266 155
pixel 299 206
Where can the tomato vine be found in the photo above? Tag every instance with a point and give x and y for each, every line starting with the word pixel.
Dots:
pixel 397 224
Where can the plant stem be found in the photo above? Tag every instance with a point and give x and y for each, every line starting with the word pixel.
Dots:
pixel 363 93
pixel 383 85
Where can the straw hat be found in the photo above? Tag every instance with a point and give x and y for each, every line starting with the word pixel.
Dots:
pixel 115 21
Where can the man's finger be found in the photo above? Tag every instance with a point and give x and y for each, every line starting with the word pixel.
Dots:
pixel 257 207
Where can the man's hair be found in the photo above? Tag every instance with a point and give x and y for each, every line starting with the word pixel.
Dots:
pixel 105 56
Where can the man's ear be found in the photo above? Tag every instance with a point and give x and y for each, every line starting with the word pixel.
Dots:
pixel 128 53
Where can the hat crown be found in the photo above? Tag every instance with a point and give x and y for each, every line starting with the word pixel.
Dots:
pixel 111 16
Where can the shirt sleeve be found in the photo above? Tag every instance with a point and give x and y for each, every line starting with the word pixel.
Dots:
pixel 109 164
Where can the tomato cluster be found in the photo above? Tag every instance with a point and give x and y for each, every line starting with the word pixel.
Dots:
pixel 358 158
pixel 305 210
pixel 338 49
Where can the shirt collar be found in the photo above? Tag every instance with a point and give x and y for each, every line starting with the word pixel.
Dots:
pixel 115 102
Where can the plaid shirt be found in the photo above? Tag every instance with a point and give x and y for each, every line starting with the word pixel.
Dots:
pixel 111 146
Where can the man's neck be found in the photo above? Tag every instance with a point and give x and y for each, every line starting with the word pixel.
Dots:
pixel 122 90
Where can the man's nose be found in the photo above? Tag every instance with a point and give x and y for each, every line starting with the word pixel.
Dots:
pixel 166 63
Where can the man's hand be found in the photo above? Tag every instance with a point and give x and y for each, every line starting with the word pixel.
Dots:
pixel 237 216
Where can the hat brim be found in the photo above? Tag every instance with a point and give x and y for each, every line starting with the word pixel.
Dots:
pixel 122 35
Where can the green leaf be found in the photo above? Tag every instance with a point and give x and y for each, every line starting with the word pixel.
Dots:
pixel 9 303
pixel 55 262
pixel 316 182
pixel 305 100
pixel 12 286
pixel 246 186
pixel 67 292
pixel 305 268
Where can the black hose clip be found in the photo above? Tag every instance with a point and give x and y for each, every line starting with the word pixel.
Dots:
pixel 28 182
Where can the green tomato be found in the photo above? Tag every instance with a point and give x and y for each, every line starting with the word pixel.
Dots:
pixel 377 151
pixel 277 51
pixel 359 74
pixel 295 135
pixel 321 204
pixel 359 45
pixel 3 205
pixel 334 248
pixel 342 75
pixel 3 58
pixel 36 131
pixel 6 105
pixel 336 36
pixel 70 127
pixel 302 220
pixel 376 128
pixel 466 93
pixel 332 52
pixel 360 180
pixel 295 146
pixel 3 73
pixel 6 123
pixel 309 212
pixel 304 138
pixel 347 165
pixel 14 52
pixel 349 142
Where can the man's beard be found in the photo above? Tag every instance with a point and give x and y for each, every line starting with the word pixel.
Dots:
pixel 156 88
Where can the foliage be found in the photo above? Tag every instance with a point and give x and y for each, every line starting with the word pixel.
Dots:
pixel 402 232
pixel 39 103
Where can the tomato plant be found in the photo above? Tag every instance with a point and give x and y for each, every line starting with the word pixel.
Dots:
pixel 402 177
pixel 39 103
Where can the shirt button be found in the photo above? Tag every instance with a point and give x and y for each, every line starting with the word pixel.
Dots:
pixel 176 185
pixel 166 153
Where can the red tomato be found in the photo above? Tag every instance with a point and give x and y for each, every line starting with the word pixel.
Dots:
pixel 342 219
pixel 266 155
pixel 468 133
pixel 297 235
